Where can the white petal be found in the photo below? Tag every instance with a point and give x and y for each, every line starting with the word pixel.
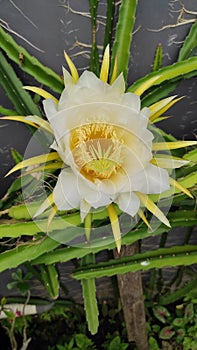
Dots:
pixel 84 209
pixel 151 180
pixel 128 202
pixel 65 194
pixel 68 79
pixel 93 196
pixel 118 85
pixel 131 100
pixel 146 112
pixel 90 81
pixel 50 108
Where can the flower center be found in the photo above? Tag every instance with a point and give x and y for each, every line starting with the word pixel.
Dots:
pixel 97 149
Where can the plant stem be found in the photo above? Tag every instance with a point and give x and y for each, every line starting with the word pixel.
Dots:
pixel 131 294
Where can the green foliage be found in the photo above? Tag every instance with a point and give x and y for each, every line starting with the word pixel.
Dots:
pixel 32 66
pixel 174 256
pixel 174 72
pixel 13 87
pixel 20 281
pixel 6 111
pixel 157 64
pixel 16 156
pixel 189 44
pixel 123 36
pixel 179 325
pixel 89 297
pixel 79 341
pixel 109 22
pixel 116 344
pixel 94 57
pixel 50 279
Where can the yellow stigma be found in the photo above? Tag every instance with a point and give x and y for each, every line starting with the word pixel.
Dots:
pixel 97 149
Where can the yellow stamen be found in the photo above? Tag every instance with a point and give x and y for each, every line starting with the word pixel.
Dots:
pixel 97 149
pixel 115 225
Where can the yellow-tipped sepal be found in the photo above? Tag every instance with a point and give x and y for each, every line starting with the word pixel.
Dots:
pixel 176 184
pixel 41 92
pixel 105 65
pixel 143 217
pixel 72 67
pixel 115 225
pixel 150 205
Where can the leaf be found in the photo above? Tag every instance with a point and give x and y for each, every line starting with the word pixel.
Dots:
pixel 5 111
pixel 123 36
pixel 180 335
pixel 109 22
pixel 192 155
pixel 161 313
pixel 16 156
pixel 189 44
pixel 158 58
pixel 174 256
pixel 30 228
pixel 167 333
pixel 89 296
pixel 145 85
pixel 15 257
pixel 94 56
pixel 176 70
pixel 178 294
pixel 178 322
pixel 153 344
pixel 178 218
pixel 189 312
pixel 32 66
pixel 13 87
pixel 50 280
pixel 158 108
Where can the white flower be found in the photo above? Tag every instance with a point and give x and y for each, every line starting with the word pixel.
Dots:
pixel 102 137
